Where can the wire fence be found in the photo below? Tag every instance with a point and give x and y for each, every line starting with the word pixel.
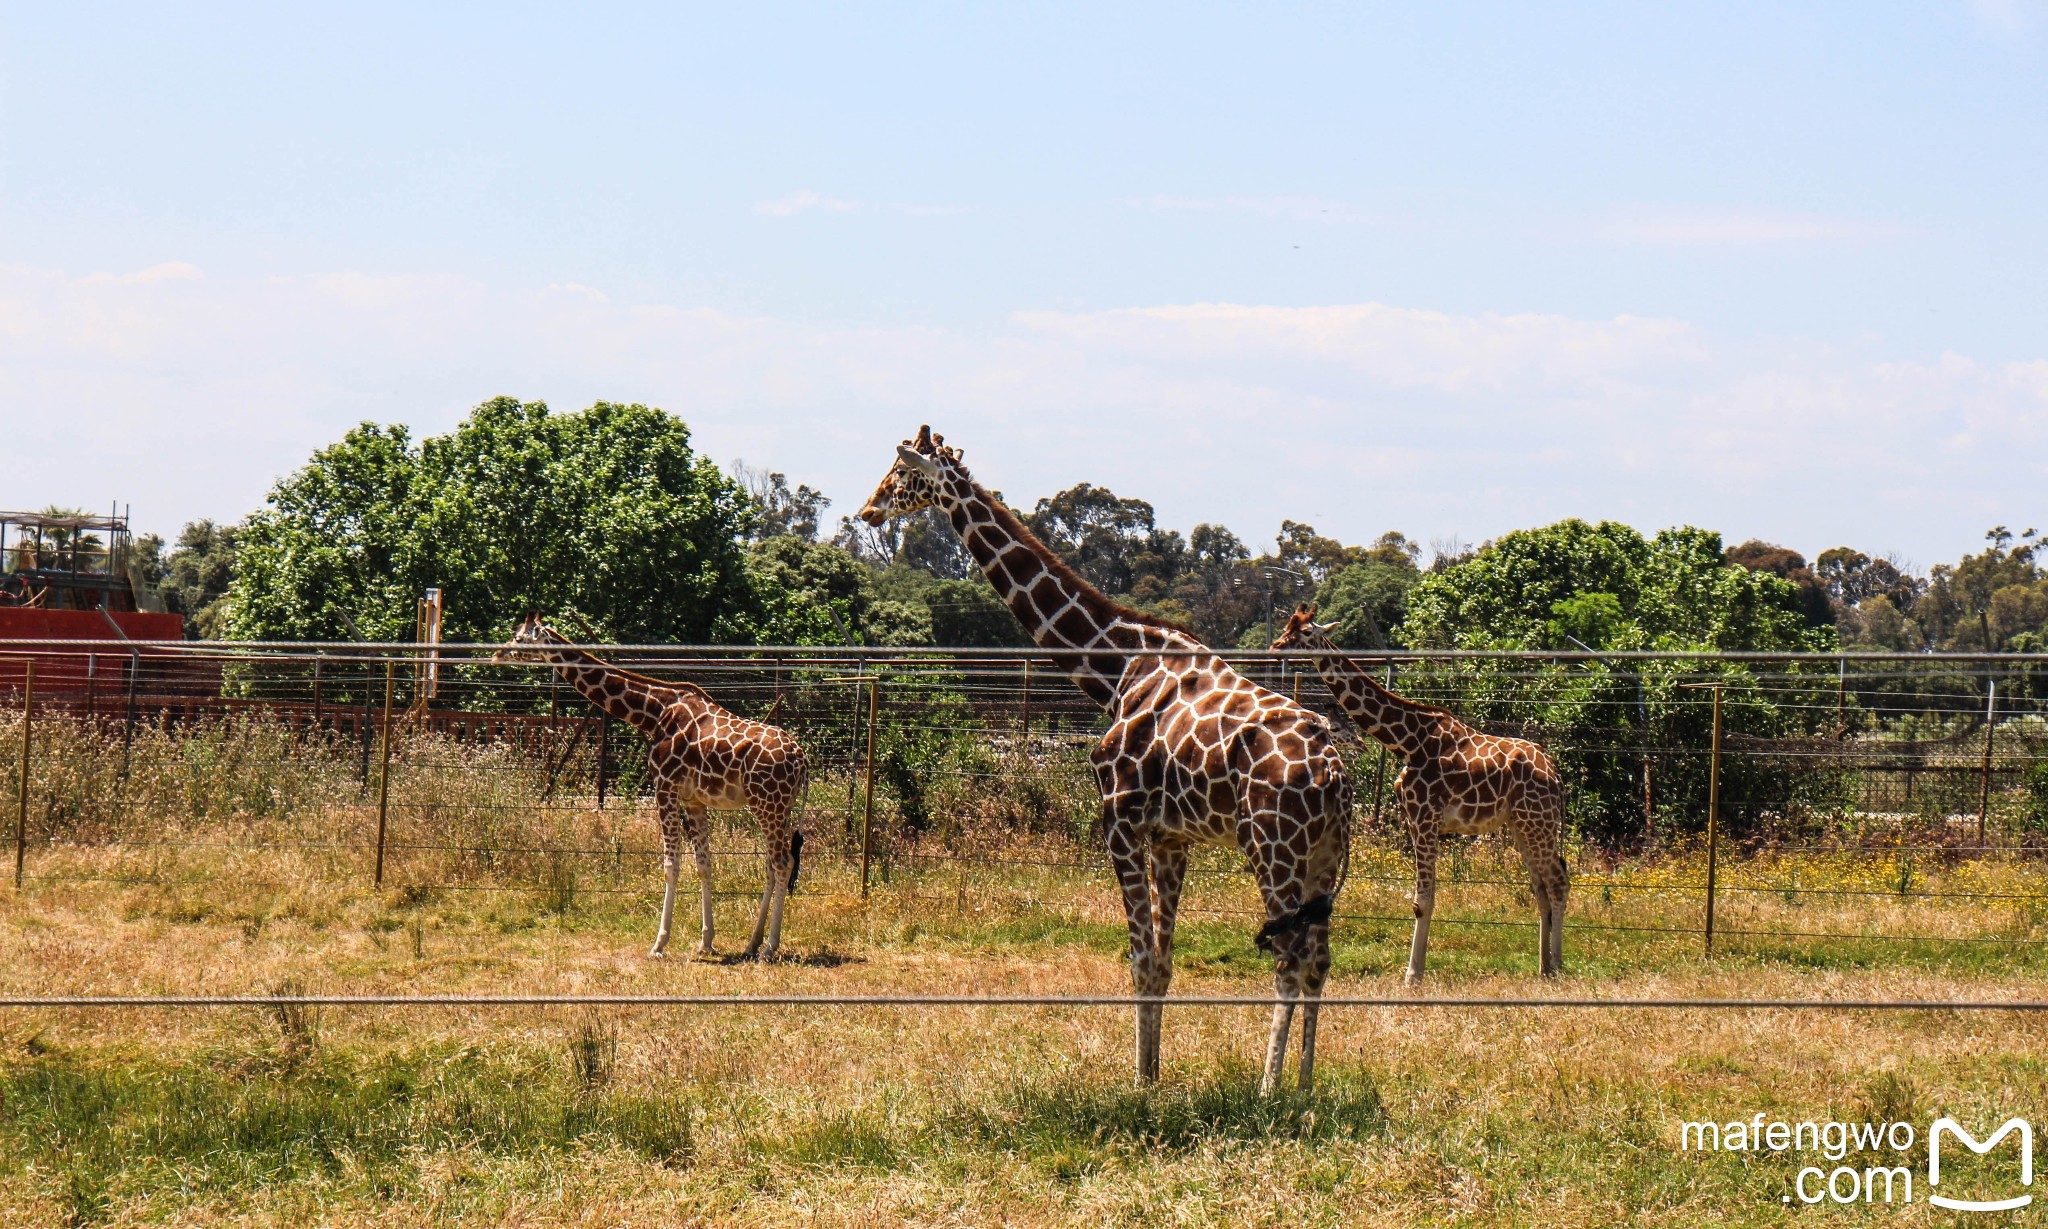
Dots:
pixel 1890 799
pixel 107 1002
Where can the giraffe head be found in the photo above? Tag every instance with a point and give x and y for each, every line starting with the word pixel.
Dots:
pixel 532 631
pixel 913 483
pixel 1303 632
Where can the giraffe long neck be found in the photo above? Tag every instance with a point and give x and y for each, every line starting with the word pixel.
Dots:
pixel 1394 721
pixel 636 702
pixel 1057 608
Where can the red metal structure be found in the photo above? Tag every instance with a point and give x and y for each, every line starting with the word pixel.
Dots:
pixel 72 576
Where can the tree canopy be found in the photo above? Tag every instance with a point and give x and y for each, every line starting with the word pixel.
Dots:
pixel 1545 588
pixel 605 511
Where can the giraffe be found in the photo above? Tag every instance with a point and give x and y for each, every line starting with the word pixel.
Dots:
pixel 1195 754
pixel 1455 780
pixel 702 757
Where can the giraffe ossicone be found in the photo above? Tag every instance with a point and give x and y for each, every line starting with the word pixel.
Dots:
pixel 1195 754
pixel 701 756
pixel 1454 780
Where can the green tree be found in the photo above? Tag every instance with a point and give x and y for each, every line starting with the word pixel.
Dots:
pixel 1674 591
pixel 607 512
pixel 1112 541
pixel 817 593
pixel 779 510
pixel 1608 586
pixel 192 578
pixel 1367 598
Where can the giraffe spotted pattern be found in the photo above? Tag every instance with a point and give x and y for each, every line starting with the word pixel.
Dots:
pixel 702 757
pixel 1455 780
pixel 1195 754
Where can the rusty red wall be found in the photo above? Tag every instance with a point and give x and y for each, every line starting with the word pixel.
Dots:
pixel 102 669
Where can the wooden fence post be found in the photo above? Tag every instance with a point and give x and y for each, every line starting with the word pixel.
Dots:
pixel 867 820
pixel 1984 791
pixel 128 734
pixel 28 709
pixel 1713 814
pixel 384 775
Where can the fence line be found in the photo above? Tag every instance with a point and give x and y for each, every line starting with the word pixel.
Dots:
pixel 108 1002
pixel 836 696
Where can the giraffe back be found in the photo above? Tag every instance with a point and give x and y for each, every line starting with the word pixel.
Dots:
pixel 1220 749
pixel 724 759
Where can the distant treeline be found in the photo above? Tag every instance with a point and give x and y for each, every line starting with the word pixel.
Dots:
pixel 609 518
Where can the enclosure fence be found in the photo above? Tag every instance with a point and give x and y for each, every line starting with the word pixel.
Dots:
pixel 1715 798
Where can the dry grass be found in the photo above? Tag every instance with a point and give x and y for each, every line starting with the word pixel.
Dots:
pixel 875 1117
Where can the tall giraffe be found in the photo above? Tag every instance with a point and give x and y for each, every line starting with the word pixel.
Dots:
pixel 1455 780
pixel 702 757
pixel 1195 753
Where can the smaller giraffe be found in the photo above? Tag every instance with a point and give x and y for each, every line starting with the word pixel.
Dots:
pixel 1457 781
pixel 702 757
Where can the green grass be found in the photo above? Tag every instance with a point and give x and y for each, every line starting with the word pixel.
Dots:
pixel 117 1130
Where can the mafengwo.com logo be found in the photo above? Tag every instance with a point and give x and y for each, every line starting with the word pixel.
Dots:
pixel 1890 1167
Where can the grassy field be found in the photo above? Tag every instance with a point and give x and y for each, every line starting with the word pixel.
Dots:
pixel 967 1116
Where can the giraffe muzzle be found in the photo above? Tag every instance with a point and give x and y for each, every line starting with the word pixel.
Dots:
pixel 1313 913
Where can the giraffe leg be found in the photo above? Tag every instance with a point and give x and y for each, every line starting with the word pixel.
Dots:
pixel 1423 834
pixel 1537 863
pixel 668 812
pixel 1286 981
pixel 782 875
pixel 1127 854
pixel 1316 967
pixel 700 842
pixel 1316 970
pixel 1169 865
pixel 775 836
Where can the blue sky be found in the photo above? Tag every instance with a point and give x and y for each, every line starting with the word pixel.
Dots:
pixel 1450 269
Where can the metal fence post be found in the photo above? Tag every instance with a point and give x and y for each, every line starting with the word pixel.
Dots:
pixel 604 754
pixel 867 819
pixel 128 733
pixel 1984 790
pixel 384 775
pixel 1024 718
pixel 1714 814
pixel 28 709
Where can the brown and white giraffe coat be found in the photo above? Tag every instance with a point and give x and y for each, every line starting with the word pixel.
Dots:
pixel 702 757
pixel 1455 780
pixel 1195 753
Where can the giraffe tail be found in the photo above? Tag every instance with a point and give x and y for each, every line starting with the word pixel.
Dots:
pixel 1316 911
pixel 796 859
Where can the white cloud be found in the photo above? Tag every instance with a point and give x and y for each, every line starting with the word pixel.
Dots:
pixel 2009 16
pixel 189 395
pixel 1728 227
pixel 1296 208
pixel 805 201
pixel 173 271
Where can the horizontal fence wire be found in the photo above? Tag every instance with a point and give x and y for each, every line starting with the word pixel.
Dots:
pixel 110 1002
pixel 1929 752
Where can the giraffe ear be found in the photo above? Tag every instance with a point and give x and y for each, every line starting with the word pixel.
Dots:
pixel 918 461
pixel 1327 629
